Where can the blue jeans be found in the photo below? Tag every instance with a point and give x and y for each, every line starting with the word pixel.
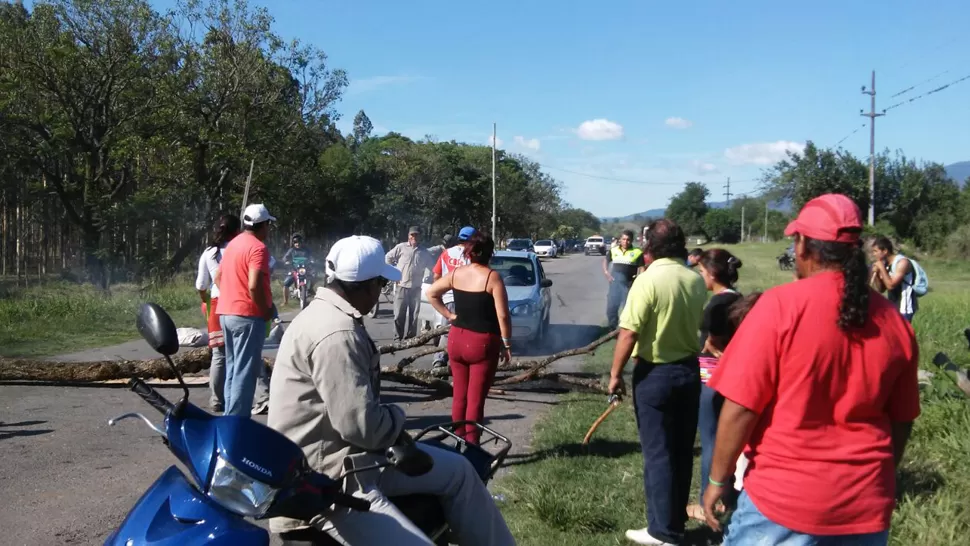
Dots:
pixel 615 299
pixel 244 338
pixel 749 527
pixel 710 412
pixel 665 399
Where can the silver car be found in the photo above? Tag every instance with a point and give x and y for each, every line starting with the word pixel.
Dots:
pixel 530 297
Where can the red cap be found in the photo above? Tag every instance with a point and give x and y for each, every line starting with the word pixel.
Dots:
pixel 831 217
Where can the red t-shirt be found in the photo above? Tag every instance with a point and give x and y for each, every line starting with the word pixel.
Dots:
pixel 244 252
pixel 821 458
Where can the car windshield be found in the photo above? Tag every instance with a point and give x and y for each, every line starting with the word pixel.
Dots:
pixel 595 240
pixel 514 271
pixel 545 242
pixel 518 244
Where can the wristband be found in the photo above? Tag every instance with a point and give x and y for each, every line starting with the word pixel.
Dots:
pixel 715 483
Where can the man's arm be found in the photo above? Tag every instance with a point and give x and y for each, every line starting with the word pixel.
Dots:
pixel 606 266
pixel 436 271
pixel 891 282
pixel 288 255
pixel 636 312
pixel 903 403
pixel 393 255
pixel 900 435
pixel 258 268
pixel 342 375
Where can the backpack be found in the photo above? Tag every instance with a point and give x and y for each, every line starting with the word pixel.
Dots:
pixel 921 284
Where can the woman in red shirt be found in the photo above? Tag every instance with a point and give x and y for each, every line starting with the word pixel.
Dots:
pixel 820 385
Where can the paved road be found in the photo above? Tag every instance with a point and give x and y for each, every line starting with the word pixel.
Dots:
pixel 67 478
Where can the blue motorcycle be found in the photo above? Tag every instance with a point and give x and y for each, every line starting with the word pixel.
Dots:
pixel 240 468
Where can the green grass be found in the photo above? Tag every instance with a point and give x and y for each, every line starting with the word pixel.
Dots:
pixel 560 495
pixel 60 317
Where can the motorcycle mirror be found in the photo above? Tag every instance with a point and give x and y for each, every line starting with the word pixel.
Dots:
pixel 158 329
pixel 410 460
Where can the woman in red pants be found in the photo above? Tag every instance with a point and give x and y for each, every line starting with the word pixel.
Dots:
pixel 480 330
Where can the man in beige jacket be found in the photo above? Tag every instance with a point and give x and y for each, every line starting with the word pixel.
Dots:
pixel 325 396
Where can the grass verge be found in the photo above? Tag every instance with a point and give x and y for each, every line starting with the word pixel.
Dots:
pixel 60 317
pixel 560 495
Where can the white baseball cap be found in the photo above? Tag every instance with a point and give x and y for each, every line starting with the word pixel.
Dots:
pixel 256 214
pixel 359 258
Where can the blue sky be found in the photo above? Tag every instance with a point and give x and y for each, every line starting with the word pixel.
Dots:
pixel 657 93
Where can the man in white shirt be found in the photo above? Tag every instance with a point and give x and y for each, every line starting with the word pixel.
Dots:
pixel 452 258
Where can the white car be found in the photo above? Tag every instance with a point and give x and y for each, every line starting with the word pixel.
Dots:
pixel 546 248
pixel 530 297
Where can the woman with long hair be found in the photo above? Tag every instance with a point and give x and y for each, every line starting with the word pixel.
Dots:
pixel 480 330
pixel 719 269
pixel 224 230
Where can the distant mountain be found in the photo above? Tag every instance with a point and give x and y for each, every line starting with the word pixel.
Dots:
pixel 958 172
pixel 782 206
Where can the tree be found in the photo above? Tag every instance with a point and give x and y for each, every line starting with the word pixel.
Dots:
pixel 722 225
pixel 803 176
pixel 362 128
pixel 689 207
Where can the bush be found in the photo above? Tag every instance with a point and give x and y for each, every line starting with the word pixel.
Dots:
pixel 958 243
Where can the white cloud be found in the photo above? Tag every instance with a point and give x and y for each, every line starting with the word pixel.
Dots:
pixel 762 153
pixel 528 143
pixel 498 141
pixel 364 85
pixel 678 123
pixel 600 129
pixel 702 167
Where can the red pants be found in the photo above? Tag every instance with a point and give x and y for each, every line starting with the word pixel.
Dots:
pixel 473 357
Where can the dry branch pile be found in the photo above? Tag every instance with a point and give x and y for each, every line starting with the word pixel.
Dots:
pixel 197 360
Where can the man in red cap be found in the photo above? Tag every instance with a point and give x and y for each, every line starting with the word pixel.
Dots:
pixel 821 392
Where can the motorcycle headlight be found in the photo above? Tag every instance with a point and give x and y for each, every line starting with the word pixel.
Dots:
pixel 523 309
pixel 238 492
pixel 302 271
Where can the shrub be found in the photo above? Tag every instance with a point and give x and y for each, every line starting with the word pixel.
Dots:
pixel 958 243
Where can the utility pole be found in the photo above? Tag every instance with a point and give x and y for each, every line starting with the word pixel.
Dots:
pixel 727 191
pixel 494 130
pixel 742 222
pixel 872 115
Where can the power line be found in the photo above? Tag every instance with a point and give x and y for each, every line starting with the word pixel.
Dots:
pixel 910 88
pixel 628 181
pixel 934 50
pixel 928 93
pixel 846 137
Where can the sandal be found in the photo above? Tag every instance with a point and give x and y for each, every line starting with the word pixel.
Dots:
pixel 696 511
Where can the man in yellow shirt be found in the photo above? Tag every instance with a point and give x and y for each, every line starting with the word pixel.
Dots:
pixel 659 328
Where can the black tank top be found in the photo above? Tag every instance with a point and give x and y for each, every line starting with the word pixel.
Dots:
pixel 476 311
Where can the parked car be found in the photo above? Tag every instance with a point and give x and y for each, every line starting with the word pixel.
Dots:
pixel 595 245
pixel 524 245
pixel 530 297
pixel 546 248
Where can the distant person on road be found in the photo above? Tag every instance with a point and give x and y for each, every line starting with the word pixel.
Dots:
pixel 820 383
pixel 411 259
pixel 327 399
pixel 246 304
pixel 296 252
pixel 481 330
pixel 896 274
pixel 658 328
pixel 620 266
pixel 694 257
pixel 449 260
pixel 719 269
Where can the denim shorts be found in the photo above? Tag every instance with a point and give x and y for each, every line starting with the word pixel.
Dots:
pixel 749 527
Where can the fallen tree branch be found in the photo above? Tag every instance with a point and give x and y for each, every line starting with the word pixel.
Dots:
pixel 413 342
pixel 20 369
pixel 536 366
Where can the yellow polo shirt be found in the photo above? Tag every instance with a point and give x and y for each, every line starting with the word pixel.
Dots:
pixel 665 307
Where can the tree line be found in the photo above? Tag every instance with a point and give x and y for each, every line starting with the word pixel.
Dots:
pixel 128 131
pixel 915 201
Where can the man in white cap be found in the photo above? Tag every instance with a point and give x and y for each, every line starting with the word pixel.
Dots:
pixel 245 306
pixel 325 396
pixel 412 260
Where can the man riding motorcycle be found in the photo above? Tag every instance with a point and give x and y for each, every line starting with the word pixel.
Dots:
pixel 325 396
pixel 297 252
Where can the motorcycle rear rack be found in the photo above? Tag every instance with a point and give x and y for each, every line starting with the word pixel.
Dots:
pixel 486 462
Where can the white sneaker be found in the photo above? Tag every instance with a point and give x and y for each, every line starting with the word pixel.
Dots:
pixel 641 536
pixel 260 408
